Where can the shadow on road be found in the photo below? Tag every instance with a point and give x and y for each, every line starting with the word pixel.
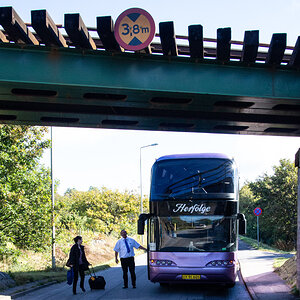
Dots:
pixel 194 288
pixel 189 290
pixel 244 246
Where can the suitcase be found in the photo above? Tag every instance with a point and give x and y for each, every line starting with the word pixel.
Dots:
pixel 96 282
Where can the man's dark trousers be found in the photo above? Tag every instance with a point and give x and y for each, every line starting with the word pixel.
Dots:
pixel 128 263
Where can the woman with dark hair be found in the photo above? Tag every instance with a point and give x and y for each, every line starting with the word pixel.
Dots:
pixel 77 261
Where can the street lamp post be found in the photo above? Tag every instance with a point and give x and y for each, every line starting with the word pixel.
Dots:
pixel 52 198
pixel 141 183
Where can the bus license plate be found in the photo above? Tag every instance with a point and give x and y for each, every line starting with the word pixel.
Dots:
pixel 191 277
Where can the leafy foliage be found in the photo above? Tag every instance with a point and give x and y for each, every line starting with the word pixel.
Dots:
pixel 24 187
pixel 100 210
pixel 25 197
pixel 277 196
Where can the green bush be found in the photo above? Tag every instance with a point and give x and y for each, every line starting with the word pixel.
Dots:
pixel 9 254
pixel 276 195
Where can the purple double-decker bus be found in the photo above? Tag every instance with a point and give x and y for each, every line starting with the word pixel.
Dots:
pixel 193 220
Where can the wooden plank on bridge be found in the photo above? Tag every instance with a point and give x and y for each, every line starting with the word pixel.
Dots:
pixel 105 29
pixel 196 41
pixel 168 39
pixel 78 33
pixel 276 49
pixel 15 27
pixel 46 29
pixel 3 38
pixel 295 58
pixel 223 44
pixel 250 46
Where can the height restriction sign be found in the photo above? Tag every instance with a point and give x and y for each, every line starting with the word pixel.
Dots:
pixel 134 29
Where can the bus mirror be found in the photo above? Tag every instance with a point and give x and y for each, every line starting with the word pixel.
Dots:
pixel 242 224
pixel 141 223
pixel 141 226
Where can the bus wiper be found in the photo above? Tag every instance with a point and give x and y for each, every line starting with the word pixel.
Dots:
pixel 175 185
pixel 186 191
pixel 186 187
pixel 202 188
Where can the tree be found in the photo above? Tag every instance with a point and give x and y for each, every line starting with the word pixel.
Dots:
pixel 247 203
pixel 24 187
pixel 101 210
pixel 277 196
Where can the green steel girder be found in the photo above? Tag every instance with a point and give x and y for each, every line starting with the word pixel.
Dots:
pixel 213 97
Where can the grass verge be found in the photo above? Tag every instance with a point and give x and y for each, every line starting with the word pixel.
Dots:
pixel 58 275
pixel 262 246
pixel 279 261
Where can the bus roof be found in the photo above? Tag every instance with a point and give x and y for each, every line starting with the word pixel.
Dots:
pixel 194 155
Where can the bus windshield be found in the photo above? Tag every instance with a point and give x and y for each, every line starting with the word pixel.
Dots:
pixel 193 234
pixel 181 179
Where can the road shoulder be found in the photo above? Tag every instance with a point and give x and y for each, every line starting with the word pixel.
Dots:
pixel 258 274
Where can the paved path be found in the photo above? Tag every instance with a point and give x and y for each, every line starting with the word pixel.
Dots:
pixel 145 289
pixel 256 268
pixel 257 271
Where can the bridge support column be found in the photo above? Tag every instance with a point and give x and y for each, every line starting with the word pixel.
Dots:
pixel 297 165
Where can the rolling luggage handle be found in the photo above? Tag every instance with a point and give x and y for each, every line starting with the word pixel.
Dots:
pixel 91 272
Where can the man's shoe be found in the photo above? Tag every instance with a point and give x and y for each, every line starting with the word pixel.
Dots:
pixel 134 286
pixel 125 287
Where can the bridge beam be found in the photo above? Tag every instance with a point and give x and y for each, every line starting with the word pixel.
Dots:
pixel 149 92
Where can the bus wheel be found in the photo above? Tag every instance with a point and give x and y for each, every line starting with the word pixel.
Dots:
pixel 230 285
pixel 164 284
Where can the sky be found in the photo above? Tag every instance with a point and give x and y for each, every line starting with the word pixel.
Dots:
pixel 111 158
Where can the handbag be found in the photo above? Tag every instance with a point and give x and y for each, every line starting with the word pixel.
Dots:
pixel 70 276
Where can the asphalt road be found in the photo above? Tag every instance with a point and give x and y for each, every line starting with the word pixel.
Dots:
pixel 145 289
pixel 256 262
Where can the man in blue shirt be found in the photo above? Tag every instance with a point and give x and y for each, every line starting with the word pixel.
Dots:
pixel 124 247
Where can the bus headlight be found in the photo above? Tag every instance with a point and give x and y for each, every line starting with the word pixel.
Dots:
pixel 162 263
pixel 221 263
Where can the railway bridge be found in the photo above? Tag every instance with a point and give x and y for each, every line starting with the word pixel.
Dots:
pixel 71 75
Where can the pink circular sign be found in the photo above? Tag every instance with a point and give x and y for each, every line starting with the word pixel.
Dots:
pixel 134 29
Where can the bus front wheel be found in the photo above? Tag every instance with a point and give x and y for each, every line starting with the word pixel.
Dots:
pixel 164 284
